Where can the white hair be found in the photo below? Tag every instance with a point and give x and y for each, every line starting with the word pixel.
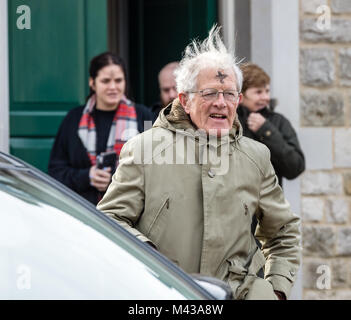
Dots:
pixel 211 53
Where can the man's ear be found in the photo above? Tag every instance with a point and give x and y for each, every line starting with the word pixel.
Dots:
pixel 183 98
pixel 240 98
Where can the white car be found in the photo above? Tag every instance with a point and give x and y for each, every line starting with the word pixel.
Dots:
pixel 56 245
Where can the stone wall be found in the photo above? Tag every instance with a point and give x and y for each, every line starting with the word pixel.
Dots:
pixel 325 102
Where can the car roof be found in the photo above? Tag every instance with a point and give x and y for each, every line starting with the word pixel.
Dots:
pixel 8 160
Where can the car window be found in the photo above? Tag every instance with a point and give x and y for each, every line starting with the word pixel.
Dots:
pixel 52 247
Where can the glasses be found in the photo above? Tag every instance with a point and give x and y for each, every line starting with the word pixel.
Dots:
pixel 212 94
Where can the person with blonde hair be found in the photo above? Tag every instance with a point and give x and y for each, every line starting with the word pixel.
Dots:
pixel 190 186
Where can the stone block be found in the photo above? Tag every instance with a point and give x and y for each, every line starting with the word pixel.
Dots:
pixel 342 149
pixel 317 66
pixel 344 241
pixel 317 146
pixel 321 183
pixel 339 31
pixel 327 295
pixel 317 295
pixel 342 295
pixel 318 241
pixel 312 209
pixel 339 274
pixel 340 6
pixel 347 182
pixel 345 66
pixel 311 6
pixel 337 211
pixel 313 273
pixel 322 108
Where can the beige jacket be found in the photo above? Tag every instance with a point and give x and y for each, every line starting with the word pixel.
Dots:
pixel 194 199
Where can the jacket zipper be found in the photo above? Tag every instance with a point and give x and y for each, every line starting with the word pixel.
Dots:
pixel 165 204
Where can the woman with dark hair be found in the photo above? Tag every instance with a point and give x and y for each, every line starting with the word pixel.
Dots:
pixel 104 124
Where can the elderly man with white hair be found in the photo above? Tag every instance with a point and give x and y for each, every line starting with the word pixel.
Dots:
pixel 191 185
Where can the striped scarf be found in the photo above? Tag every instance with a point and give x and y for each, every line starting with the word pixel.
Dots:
pixel 124 127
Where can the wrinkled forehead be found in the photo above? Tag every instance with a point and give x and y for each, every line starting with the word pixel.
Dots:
pixel 216 77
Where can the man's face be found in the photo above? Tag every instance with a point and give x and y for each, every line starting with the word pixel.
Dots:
pixel 215 113
pixel 256 99
pixel 168 89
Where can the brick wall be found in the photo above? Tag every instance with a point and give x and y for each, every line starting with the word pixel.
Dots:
pixel 325 102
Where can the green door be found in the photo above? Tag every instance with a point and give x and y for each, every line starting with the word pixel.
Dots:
pixel 49 69
pixel 159 30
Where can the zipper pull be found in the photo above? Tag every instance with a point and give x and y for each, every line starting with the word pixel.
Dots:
pixel 246 209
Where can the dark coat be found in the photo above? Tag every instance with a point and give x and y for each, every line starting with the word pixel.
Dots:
pixel 280 137
pixel 156 108
pixel 69 162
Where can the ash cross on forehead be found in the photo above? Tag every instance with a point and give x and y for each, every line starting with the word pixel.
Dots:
pixel 221 76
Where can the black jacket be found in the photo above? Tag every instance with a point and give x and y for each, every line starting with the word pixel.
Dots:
pixel 280 137
pixel 156 108
pixel 69 162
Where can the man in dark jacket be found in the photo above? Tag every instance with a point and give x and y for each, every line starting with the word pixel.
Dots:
pixel 261 123
pixel 167 85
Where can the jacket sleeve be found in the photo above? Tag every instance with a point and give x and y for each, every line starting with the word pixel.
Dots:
pixel 279 232
pixel 286 154
pixel 125 196
pixel 60 168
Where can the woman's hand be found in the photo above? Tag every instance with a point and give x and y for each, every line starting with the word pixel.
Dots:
pixel 255 121
pixel 100 179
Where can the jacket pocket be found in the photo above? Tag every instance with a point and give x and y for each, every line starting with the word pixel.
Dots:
pixel 164 206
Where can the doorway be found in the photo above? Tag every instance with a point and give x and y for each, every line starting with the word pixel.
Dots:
pixel 148 34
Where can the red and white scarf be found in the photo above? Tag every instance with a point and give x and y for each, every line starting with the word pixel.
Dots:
pixel 124 126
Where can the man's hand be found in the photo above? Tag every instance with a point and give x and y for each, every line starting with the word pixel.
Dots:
pixel 100 179
pixel 255 121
